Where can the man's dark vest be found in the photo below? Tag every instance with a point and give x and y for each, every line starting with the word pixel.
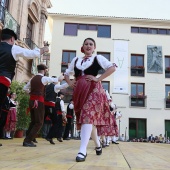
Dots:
pixel 7 62
pixel 92 70
pixel 50 95
pixel 57 104
pixel 37 88
pixel 69 111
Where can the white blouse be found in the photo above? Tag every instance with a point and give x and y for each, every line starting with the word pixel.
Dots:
pixel 83 65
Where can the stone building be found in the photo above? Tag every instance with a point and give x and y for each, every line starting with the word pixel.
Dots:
pixel 27 18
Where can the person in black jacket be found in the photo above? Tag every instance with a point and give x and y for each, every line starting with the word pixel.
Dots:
pixel 70 114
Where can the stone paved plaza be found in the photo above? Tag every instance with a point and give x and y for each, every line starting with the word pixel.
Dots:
pixel 61 156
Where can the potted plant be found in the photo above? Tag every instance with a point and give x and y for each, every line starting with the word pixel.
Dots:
pixel 22 118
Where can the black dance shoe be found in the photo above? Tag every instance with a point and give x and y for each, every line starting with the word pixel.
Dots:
pixel 0 144
pixel 114 142
pixel 98 150
pixel 79 159
pixel 35 141
pixel 29 144
pixel 66 138
pixel 59 139
pixel 50 140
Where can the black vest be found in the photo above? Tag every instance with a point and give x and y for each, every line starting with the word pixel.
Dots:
pixel 7 62
pixel 50 95
pixel 70 111
pixel 57 104
pixel 92 70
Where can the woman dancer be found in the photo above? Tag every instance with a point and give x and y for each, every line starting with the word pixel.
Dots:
pixel 12 116
pixel 90 102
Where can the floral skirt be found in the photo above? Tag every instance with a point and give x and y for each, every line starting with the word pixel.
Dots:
pixel 11 120
pixel 92 107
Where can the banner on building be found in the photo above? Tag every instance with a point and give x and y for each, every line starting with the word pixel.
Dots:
pixel 121 59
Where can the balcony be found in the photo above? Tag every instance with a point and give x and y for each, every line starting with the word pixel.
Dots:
pixel 8 21
pixel 137 71
pixel 30 43
pixel 138 100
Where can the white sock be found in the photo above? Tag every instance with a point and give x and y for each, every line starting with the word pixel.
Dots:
pixel 95 137
pixel 86 130
pixel 108 139
pixel 104 139
pixel 114 139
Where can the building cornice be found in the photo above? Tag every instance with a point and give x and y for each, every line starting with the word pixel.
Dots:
pixel 111 18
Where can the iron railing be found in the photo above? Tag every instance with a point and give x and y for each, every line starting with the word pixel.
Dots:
pixel 8 21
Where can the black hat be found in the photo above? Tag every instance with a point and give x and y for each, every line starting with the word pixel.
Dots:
pixel 60 93
pixel 7 34
pixel 41 67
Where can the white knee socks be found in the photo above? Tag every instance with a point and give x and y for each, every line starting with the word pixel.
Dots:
pixel 86 130
pixel 95 137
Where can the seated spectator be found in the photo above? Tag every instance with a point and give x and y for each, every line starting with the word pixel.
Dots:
pixel 161 139
pixel 122 138
pixel 151 139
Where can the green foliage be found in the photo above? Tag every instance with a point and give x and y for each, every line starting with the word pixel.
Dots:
pixel 23 99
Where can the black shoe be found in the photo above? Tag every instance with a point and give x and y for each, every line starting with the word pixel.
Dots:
pixel 98 150
pixel 59 139
pixel 29 144
pixel 0 144
pixel 66 138
pixel 50 140
pixel 35 141
pixel 114 142
pixel 78 159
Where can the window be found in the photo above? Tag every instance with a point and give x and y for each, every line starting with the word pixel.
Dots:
pixel 134 29
pixel 153 31
pixel 107 56
pixel 143 30
pixel 104 31
pixel 162 31
pixel 70 29
pixel 106 85
pixel 92 27
pixel 28 39
pixel 150 30
pixel 137 94
pixel 67 57
pixel 137 65
pixel 167 96
pixel 82 26
pixel 167 66
pixel 29 29
pixel 68 93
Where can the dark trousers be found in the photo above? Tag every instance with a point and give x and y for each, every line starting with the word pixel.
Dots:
pixel 68 128
pixel 53 116
pixel 3 93
pixel 37 119
pixel 59 126
pixel 3 114
pixel 2 122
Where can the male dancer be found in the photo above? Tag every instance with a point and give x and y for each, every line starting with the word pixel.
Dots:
pixel 50 110
pixel 61 115
pixel 70 113
pixel 36 87
pixel 9 55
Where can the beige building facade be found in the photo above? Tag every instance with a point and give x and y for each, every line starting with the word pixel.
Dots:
pixel 27 18
pixel 140 47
